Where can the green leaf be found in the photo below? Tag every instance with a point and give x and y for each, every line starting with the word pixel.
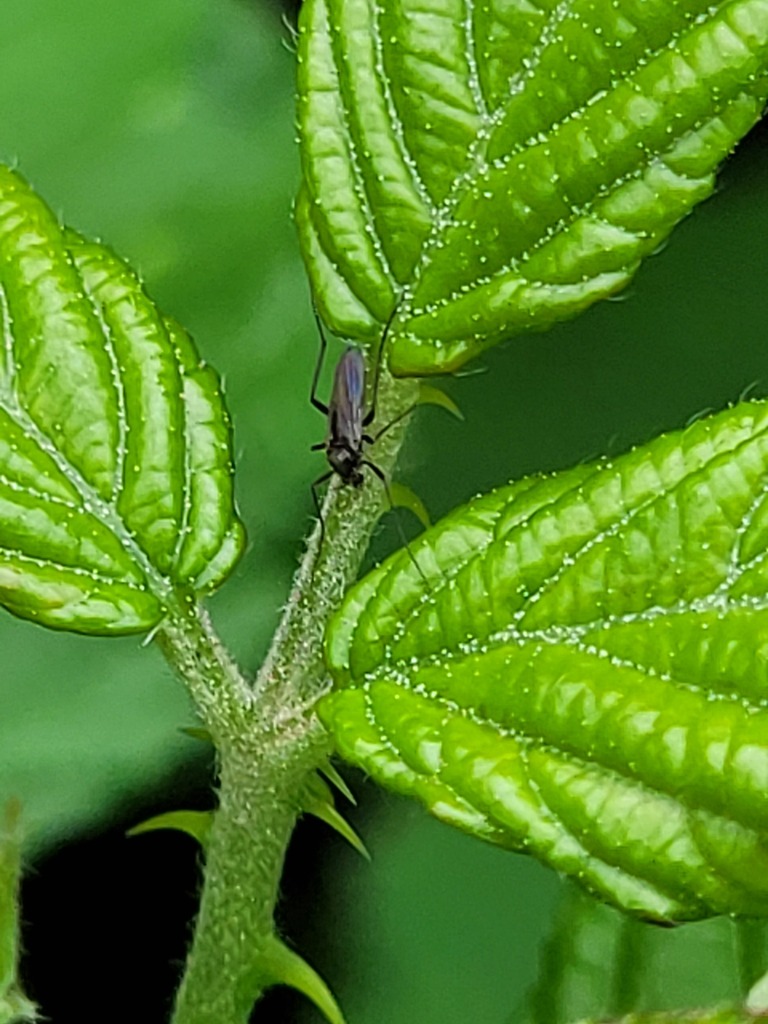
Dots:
pixel 14 1006
pixel 503 166
pixel 599 963
pixel 116 487
pixel 577 669
pixel 586 964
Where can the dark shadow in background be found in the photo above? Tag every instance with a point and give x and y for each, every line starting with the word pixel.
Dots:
pixel 108 908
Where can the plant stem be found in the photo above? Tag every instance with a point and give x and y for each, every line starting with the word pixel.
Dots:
pixel 228 965
pixel 268 741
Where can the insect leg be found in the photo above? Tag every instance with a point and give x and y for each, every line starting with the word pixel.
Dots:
pixel 316 499
pixel 397 419
pixel 323 408
pixel 380 474
pixel 371 414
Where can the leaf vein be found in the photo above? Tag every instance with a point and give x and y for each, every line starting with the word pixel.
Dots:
pixel 396 121
pixel 91 500
pixel 477 156
pixel 621 522
pixel 116 377
pixel 359 185
pixel 7 331
pixel 186 433
pixel 473 59
pixel 9 554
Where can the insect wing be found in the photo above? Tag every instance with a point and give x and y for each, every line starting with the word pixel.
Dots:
pixel 346 405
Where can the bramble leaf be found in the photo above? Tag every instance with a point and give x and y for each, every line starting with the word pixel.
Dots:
pixel 503 166
pixel 600 964
pixel 115 450
pixel 577 668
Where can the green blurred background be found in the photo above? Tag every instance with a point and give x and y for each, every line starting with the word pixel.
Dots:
pixel 166 128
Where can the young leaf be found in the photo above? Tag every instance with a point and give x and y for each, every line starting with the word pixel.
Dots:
pixel 503 166
pixel 577 669
pixel 115 459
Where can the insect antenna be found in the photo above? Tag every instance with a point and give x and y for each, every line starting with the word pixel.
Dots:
pixel 314 400
pixel 371 414
pixel 316 499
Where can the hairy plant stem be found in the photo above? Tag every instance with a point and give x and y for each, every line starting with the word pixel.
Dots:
pixel 268 741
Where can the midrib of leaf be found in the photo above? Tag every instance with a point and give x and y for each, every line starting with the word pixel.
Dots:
pixel 349 179
pixel 91 502
pixel 5 325
pixel 536 645
pixel 613 73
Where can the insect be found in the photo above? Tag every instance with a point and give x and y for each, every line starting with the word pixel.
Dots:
pixel 347 421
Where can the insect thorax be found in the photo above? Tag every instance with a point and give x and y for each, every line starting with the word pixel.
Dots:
pixel 346 462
